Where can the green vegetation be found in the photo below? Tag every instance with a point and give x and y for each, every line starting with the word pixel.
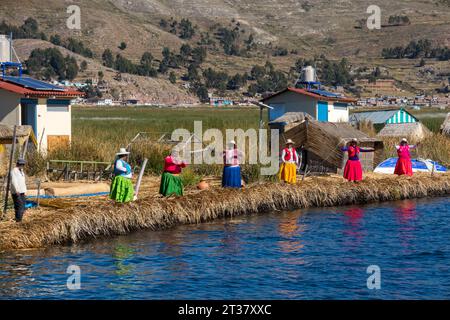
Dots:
pixel 184 29
pixel 422 48
pixel 122 46
pixel 28 30
pixel 99 132
pixel 398 20
pixel 50 63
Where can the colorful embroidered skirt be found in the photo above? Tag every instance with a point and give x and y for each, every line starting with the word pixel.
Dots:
pixel 288 172
pixel 171 184
pixel 353 170
pixel 403 166
pixel 121 189
pixel 231 177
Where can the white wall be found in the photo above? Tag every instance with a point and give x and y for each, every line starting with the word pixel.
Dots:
pixel 52 123
pixel 337 113
pixel 9 108
pixel 294 102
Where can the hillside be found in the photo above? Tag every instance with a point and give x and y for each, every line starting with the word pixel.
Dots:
pixel 304 28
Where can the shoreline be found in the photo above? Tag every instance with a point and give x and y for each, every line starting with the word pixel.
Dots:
pixel 95 218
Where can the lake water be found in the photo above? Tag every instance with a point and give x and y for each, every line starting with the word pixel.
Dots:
pixel 307 254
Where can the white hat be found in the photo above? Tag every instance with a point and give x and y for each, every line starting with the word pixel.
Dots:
pixel 288 141
pixel 122 152
pixel 404 140
pixel 232 142
pixel 354 139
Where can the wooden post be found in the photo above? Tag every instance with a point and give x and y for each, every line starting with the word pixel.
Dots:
pixel 11 158
pixel 141 174
pixel 261 117
pixel 38 191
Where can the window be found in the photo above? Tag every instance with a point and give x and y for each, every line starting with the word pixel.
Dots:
pixel 58 108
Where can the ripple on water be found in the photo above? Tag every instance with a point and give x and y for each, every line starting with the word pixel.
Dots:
pixel 308 254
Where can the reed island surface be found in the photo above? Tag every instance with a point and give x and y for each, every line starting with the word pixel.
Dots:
pixel 62 221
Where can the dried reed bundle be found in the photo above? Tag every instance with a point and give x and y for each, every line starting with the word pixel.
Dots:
pixel 96 218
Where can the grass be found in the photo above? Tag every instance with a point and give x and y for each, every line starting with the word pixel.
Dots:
pixel 98 132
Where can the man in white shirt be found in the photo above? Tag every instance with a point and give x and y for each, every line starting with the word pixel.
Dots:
pixel 18 189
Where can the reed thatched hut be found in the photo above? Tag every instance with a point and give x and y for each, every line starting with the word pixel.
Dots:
pixel 319 142
pixel 415 130
pixel 23 134
pixel 445 127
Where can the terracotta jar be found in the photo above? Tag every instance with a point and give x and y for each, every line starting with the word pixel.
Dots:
pixel 202 185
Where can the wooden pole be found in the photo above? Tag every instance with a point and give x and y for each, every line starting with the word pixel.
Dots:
pixel 141 174
pixel 261 117
pixel 11 158
pixel 38 191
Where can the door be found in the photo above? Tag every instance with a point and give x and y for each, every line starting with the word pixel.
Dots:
pixel 322 111
pixel 29 116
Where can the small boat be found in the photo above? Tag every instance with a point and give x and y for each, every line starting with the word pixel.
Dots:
pixel 418 165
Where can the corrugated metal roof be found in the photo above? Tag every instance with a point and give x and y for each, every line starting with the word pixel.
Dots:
pixel 313 95
pixel 374 117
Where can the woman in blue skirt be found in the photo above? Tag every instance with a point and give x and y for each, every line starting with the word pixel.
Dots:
pixel 231 177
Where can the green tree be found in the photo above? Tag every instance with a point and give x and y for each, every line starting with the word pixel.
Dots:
pixel 71 68
pixel 107 58
pixel 83 66
pixel 172 77
pixel 199 55
pixel 122 46
pixel 187 31
pixel 56 40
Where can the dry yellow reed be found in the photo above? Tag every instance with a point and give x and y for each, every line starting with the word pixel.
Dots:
pixel 99 218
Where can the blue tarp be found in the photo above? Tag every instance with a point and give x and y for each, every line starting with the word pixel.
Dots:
pixel 418 165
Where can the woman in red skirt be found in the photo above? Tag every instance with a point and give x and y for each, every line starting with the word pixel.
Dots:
pixel 404 165
pixel 353 168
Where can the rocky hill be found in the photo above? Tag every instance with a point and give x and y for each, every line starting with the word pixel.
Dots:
pixel 304 28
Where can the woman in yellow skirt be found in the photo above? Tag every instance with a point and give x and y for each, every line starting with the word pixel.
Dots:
pixel 290 161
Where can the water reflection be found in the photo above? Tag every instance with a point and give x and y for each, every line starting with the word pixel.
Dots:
pixel 120 255
pixel 406 211
pixel 290 232
pixel 406 215
pixel 353 230
pixel 230 244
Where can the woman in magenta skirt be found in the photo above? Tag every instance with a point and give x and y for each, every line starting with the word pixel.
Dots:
pixel 353 168
pixel 404 165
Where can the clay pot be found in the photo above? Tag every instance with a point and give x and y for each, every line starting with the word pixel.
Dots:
pixel 203 185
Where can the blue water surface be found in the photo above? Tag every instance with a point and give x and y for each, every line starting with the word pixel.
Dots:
pixel 307 254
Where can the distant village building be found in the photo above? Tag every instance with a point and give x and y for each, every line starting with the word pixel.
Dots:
pixel 320 104
pixel 377 85
pixel 132 101
pixel 220 102
pixel 392 123
pixel 393 116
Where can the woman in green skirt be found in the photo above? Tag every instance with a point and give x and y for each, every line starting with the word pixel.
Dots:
pixel 170 181
pixel 121 187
